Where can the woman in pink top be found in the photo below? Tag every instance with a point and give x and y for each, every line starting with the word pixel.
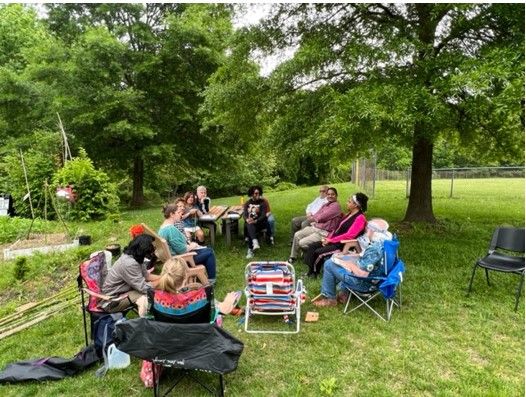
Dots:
pixel 350 227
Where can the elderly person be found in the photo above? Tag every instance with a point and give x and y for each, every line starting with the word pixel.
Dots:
pixel 351 268
pixel 351 226
pixel 203 201
pixel 299 222
pixel 129 275
pixel 178 244
pixel 322 223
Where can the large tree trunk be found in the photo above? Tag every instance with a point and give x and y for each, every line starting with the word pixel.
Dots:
pixel 138 182
pixel 420 208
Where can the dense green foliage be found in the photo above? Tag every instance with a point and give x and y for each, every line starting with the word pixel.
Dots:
pixel 441 343
pixel 95 195
pixel 396 78
pixel 165 97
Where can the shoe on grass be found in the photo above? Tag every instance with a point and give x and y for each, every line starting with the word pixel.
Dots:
pixel 325 302
pixel 250 254
pixel 342 297
pixel 255 244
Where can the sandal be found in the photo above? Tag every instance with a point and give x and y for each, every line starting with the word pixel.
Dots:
pixel 325 302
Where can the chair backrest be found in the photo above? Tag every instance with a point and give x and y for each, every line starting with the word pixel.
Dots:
pixel 508 238
pixel 192 306
pixel 162 250
pixel 271 286
pixel 390 254
pixel 92 272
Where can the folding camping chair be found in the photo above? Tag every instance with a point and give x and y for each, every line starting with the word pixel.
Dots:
pixel 89 281
pixel 386 284
pixel 271 290
pixel 183 337
pixel 162 251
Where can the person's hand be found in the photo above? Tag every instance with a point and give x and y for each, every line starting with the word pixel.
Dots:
pixel 192 246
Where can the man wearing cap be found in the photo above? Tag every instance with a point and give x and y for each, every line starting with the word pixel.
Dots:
pixel 299 222
pixel 350 227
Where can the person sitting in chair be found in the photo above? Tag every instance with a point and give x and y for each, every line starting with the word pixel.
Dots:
pixel 129 275
pixel 203 201
pixel 351 226
pixel 178 244
pixel 255 215
pixel 353 268
pixel 173 296
pixel 299 222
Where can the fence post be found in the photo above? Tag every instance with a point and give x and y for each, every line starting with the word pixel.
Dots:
pixel 452 179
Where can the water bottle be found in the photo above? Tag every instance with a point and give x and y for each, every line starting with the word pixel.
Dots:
pixel 116 358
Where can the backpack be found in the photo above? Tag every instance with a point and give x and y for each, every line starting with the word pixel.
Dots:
pixel 103 328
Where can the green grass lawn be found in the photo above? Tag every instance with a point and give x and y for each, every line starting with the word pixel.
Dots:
pixel 441 343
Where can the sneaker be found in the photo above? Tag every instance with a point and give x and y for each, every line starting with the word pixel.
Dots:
pixel 250 254
pixel 255 244
pixel 271 240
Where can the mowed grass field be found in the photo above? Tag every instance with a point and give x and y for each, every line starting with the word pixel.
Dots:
pixel 441 343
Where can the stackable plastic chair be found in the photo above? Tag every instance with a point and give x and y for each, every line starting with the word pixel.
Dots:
pixel 271 290
pixel 504 239
pixel 386 285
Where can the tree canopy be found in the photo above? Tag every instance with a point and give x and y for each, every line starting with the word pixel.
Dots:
pixel 363 75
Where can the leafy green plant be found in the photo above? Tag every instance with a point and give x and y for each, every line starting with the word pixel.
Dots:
pixel 95 195
pixel 21 268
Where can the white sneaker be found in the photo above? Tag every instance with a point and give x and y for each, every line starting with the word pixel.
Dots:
pixel 250 254
pixel 272 240
pixel 255 244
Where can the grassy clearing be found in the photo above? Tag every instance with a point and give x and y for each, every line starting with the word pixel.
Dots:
pixel 441 343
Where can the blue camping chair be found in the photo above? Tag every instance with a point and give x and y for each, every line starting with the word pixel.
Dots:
pixel 386 285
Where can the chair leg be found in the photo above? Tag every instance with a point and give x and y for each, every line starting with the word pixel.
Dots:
pixel 487 277
pixel 472 277
pixel 519 289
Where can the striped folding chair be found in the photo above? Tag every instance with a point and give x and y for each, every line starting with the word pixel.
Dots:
pixel 271 290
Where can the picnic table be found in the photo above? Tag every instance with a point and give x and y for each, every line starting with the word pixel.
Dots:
pixel 209 220
pixel 230 219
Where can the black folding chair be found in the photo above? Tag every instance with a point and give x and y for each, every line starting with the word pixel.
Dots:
pixel 510 240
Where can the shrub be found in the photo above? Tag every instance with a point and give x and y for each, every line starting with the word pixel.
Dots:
pixel 96 196
pixel 21 268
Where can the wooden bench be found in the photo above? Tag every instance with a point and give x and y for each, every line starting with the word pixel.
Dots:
pixel 229 219
pixel 209 220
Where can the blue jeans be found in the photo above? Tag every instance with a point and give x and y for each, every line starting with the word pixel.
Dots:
pixel 206 257
pixel 333 274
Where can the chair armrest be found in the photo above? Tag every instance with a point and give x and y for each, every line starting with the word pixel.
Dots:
pixel 105 297
pixel 198 271
pixel 188 257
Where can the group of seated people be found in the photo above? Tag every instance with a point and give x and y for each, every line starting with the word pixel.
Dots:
pixel 130 275
pixel 320 235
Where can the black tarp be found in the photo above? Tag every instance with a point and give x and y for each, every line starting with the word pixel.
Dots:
pixel 190 346
pixel 49 368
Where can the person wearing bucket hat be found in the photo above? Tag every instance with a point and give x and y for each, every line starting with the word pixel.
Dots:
pixel 350 227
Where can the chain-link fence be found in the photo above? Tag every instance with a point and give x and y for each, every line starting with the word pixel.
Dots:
pixel 365 174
